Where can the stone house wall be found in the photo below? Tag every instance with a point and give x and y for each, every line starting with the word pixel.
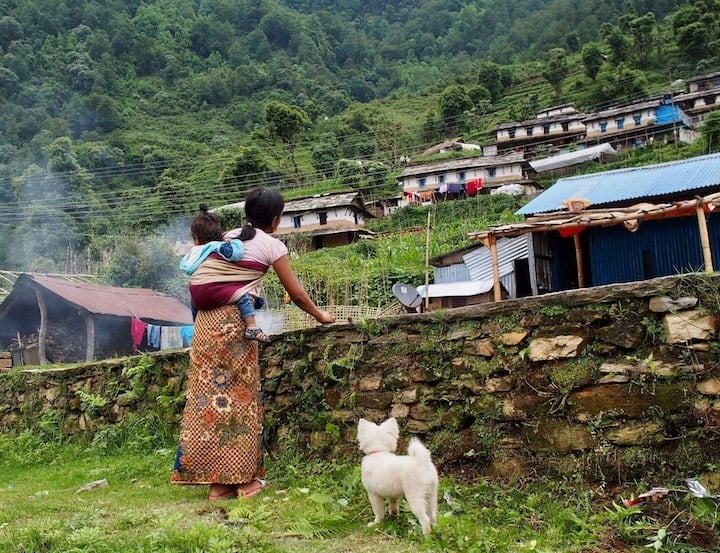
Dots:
pixel 611 383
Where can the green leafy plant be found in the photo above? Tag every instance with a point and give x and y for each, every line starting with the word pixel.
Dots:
pixel 553 310
pixel 91 403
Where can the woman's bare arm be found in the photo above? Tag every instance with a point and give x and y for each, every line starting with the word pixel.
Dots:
pixel 296 291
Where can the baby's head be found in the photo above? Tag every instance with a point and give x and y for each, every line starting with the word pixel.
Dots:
pixel 205 226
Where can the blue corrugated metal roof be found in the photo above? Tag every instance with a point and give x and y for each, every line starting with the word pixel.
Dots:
pixel 635 183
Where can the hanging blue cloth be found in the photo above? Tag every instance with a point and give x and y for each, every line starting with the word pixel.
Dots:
pixel 153 336
pixel 186 332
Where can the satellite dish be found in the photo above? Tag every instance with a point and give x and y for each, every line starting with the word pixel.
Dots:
pixel 407 295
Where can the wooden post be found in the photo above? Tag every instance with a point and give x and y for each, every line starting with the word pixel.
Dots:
pixel 579 261
pixel 704 238
pixel 42 332
pixel 90 337
pixel 427 263
pixel 492 244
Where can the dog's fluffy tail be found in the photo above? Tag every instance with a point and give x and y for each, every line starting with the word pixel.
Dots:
pixel 419 451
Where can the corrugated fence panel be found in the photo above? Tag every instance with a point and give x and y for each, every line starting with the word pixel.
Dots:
pixel 452 273
pixel 479 262
pixel 658 248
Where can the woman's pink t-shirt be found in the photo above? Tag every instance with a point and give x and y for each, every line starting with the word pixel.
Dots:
pixel 260 253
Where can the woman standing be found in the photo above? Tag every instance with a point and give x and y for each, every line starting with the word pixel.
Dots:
pixel 221 434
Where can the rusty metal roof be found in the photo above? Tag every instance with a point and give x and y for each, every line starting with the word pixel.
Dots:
pixel 141 303
pixel 8 278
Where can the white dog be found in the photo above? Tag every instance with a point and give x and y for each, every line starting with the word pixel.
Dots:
pixel 386 475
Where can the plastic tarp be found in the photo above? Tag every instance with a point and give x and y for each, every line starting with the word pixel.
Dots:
pixel 571 158
pixel 456 289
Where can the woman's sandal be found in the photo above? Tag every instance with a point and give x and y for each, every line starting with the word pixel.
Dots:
pixel 242 494
pixel 256 333
pixel 229 493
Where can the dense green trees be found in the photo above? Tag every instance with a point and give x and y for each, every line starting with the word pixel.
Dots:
pixel 143 109
pixel 454 102
pixel 697 30
pixel 555 69
pixel 286 123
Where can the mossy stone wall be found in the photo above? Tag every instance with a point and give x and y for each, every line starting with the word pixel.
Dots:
pixel 607 384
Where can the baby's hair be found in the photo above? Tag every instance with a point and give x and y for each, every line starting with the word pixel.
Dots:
pixel 262 205
pixel 206 226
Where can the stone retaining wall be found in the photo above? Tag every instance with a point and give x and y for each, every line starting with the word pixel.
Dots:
pixel 610 384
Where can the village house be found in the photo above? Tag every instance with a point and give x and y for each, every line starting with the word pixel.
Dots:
pixel 326 220
pixel 708 81
pixel 320 221
pixel 635 124
pixel 703 96
pixel 553 127
pixel 428 182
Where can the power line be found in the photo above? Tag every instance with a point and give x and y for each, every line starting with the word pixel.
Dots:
pixel 224 190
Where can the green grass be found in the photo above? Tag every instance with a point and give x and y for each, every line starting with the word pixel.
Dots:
pixel 310 506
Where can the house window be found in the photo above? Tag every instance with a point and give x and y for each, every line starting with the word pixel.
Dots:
pixel 322 217
pixel 620 123
pixel 603 127
pixel 297 221
pixel 637 119
pixel 491 172
pixel 461 176
pixel 566 126
pixel 546 129
pixel 528 131
pixel 422 183
pixel 511 133
pixel 441 179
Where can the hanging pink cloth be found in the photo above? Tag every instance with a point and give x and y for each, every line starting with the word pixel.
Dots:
pixel 137 331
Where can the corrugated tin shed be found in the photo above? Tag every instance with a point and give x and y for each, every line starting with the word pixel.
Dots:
pixel 620 186
pixel 140 303
pixel 474 263
pixel 479 261
pixel 51 320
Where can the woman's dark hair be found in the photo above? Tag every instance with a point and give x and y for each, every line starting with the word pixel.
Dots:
pixel 262 205
pixel 206 226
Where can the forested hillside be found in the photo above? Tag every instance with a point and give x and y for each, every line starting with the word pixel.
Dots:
pixel 118 118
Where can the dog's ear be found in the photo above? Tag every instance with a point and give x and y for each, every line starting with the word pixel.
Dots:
pixel 392 428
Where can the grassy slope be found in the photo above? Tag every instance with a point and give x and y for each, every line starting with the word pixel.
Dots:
pixel 311 506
